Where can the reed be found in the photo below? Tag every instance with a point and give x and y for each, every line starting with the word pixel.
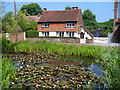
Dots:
pixel 65 49
pixel 8 72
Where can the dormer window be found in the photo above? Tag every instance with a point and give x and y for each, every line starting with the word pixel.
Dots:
pixel 45 25
pixel 70 25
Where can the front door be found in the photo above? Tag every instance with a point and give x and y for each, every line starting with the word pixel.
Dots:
pixel 82 35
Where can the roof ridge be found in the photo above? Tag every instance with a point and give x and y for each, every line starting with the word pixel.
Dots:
pixel 61 10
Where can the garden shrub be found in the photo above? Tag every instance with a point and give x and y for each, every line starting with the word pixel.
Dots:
pixel 32 33
pixel 7 46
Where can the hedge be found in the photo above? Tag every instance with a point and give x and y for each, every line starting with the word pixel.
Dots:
pixel 32 33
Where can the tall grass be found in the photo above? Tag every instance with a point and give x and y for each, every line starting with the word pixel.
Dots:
pixel 8 72
pixel 65 49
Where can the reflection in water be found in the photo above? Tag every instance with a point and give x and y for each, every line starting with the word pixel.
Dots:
pixel 97 69
pixel 86 62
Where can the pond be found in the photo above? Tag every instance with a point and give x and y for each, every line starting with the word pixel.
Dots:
pixel 48 70
pixel 81 61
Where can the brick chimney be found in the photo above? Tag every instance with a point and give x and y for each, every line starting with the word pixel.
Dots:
pixel 74 7
pixel 44 9
pixel 115 12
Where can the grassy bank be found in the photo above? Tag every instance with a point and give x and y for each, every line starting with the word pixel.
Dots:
pixel 65 49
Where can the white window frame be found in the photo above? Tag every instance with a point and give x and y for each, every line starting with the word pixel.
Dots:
pixel 70 25
pixel 45 25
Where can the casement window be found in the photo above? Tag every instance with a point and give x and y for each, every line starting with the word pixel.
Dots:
pixel 61 34
pixel 70 34
pixel 70 25
pixel 45 25
pixel 45 33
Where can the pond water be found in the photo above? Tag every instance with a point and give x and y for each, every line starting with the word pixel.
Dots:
pixel 77 60
pixel 70 71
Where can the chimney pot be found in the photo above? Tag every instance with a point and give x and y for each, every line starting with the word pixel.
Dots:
pixel 74 7
pixel 44 9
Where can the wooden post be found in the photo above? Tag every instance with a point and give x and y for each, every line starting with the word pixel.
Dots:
pixel 15 8
pixel 15 17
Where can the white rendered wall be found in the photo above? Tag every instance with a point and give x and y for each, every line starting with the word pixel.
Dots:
pixel 24 35
pixel 77 35
pixel 86 34
pixel 8 36
pixel 54 34
pixel 41 34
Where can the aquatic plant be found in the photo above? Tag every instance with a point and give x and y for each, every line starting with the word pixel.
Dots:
pixel 50 76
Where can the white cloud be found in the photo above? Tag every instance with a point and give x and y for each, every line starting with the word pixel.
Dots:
pixel 58 0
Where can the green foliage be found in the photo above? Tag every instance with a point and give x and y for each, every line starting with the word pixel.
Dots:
pixel 8 72
pixel 12 25
pixel 32 33
pixel 7 46
pixel 91 23
pixel 25 23
pixel 33 25
pixel 110 62
pixel 9 23
pixel 1 24
pixel 31 9
pixel 109 23
pixel 89 19
pixel 68 8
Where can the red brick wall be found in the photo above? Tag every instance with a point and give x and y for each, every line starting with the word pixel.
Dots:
pixel 20 37
pixel 56 27
pixel 115 12
pixel 63 40
pixel 89 40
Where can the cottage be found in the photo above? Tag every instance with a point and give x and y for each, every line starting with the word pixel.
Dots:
pixel 63 23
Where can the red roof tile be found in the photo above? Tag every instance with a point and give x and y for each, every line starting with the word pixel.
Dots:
pixel 61 16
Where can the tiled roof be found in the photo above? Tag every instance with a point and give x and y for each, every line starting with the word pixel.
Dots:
pixel 61 16
pixel 35 18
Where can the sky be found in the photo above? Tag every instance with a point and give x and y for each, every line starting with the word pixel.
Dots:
pixel 102 10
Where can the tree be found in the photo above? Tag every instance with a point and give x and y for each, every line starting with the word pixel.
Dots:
pixel 25 23
pixel 31 9
pixel 68 8
pixel 9 23
pixel 89 19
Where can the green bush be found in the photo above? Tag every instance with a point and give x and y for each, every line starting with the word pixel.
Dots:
pixel 7 46
pixel 32 33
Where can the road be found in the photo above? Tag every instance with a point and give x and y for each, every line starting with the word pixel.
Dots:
pixel 105 44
